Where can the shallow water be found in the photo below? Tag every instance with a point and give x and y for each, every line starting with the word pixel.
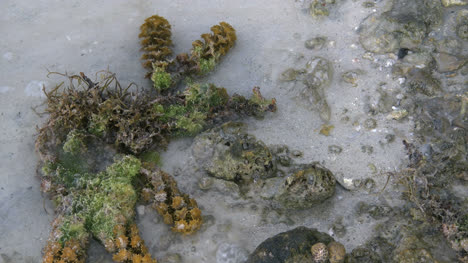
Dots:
pixel 88 36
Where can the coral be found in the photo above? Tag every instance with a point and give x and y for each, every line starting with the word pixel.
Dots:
pixel 290 246
pixel 176 208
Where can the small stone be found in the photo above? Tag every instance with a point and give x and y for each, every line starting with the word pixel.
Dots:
pixel 326 129
pixel 335 149
pixel 297 153
pixel 368 56
pixel 289 74
pixel 368 4
pixel 316 43
pixel 337 252
pixel 397 115
pixel 447 63
pixel 205 183
pixel 389 138
pixel 350 77
pixel 448 3
pixel 319 253
pixel 367 149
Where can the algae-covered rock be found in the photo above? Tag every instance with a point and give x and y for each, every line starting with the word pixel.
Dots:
pixel 462 24
pixel 412 250
pixel 315 43
pixel 318 76
pixel 228 152
pixel 291 246
pixel 321 7
pixel 305 186
pixel 447 63
pixel 404 26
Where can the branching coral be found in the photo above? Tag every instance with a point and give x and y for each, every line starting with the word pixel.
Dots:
pixel 97 146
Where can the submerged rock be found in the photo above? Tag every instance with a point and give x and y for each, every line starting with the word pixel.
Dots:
pixel 316 42
pixel 291 246
pixel 321 7
pixel 247 166
pixel 306 186
pixel 404 26
pixel 447 63
pixel 462 24
pixel 228 153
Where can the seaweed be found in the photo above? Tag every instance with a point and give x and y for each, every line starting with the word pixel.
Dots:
pixel 99 146
pixel 204 56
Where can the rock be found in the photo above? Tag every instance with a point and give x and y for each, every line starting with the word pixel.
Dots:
pixel 404 26
pixel 319 73
pixel 451 46
pixel 290 246
pixel 289 74
pixel 234 156
pixel 334 149
pixel 412 250
pixel 462 24
pixel 448 3
pixel 351 76
pixel 422 81
pixel 370 123
pixel 448 63
pixel 414 61
pixel 321 7
pixel 397 114
pixel 305 186
pixel 363 255
pixel 231 253
pixel 346 182
pixel 316 42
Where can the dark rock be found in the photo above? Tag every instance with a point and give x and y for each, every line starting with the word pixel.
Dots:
pixel 290 246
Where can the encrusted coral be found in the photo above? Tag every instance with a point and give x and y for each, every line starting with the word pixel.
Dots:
pixel 176 208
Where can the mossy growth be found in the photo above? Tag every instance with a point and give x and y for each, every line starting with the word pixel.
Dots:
pixel 75 142
pixel 161 79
